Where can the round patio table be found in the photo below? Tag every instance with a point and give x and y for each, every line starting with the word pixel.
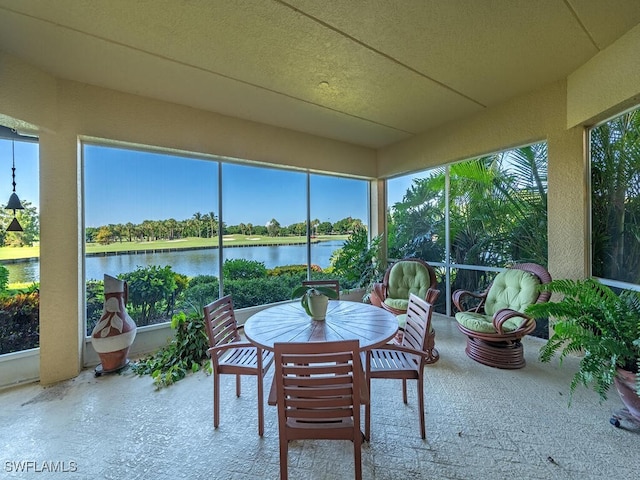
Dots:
pixel 288 322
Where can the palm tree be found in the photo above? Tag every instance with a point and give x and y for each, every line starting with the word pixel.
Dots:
pixel 197 219
pixel 129 229
pixel 170 227
pixel 212 224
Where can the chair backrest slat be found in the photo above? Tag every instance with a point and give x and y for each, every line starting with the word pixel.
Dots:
pixel 418 323
pixel 220 321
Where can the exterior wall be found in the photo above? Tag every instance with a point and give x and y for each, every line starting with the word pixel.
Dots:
pixel 63 112
pixel 568 205
pixel 61 258
pixel 378 211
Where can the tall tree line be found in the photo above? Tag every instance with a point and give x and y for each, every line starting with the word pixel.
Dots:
pixel 206 226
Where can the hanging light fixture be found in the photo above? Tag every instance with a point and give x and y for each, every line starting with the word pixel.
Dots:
pixel 14 202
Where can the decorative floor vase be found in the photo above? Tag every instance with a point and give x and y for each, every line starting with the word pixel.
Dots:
pixel 318 306
pixel 115 331
pixel 625 383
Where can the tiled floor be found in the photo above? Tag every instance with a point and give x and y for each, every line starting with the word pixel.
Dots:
pixel 482 423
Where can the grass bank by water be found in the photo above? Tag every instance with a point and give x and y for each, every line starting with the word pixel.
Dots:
pixel 16 253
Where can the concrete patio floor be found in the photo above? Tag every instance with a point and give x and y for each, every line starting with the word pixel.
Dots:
pixel 482 423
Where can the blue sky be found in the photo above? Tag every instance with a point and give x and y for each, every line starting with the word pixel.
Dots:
pixel 397 187
pixel 132 186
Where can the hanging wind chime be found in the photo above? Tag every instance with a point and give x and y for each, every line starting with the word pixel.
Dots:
pixel 14 202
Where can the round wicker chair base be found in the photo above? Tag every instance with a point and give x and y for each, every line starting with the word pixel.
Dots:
pixel 507 355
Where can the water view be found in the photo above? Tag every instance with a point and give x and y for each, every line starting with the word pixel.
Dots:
pixel 189 262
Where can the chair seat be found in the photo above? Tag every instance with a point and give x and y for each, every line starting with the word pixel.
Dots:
pixel 397 303
pixel 393 364
pixel 244 360
pixel 480 323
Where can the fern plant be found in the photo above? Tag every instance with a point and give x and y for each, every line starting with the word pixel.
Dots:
pixel 592 320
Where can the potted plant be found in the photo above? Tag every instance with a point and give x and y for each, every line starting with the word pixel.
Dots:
pixel 592 320
pixel 315 299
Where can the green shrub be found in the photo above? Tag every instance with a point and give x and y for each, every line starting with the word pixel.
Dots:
pixel 186 352
pixel 238 269
pixel 200 291
pixel 201 279
pixel 4 279
pixel 258 291
pixel 19 322
pixel 292 270
pixel 95 303
pixel 151 292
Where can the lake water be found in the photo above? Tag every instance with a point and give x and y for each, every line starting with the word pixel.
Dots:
pixel 189 262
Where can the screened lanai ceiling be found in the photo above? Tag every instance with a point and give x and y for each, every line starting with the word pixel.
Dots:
pixel 369 72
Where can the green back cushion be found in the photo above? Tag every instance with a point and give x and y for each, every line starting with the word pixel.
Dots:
pixel 514 289
pixel 406 278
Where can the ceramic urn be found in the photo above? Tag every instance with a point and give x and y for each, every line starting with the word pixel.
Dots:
pixel 115 331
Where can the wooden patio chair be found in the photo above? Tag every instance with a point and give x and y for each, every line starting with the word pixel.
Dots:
pixel 406 360
pixel 334 284
pixel 494 320
pixel 231 355
pixel 318 395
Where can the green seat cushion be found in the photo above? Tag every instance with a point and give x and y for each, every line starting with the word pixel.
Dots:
pixel 480 323
pixel 397 303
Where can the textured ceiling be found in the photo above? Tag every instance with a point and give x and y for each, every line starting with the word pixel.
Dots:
pixel 369 72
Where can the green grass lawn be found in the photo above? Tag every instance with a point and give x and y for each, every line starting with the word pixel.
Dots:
pixel 12 253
